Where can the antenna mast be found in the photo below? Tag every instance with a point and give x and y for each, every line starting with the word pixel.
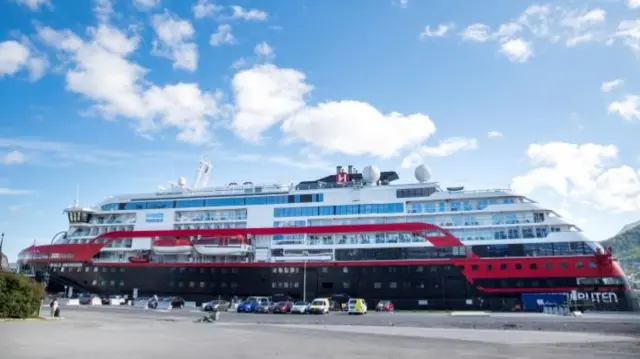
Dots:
pixel 202 175
pixel 76 203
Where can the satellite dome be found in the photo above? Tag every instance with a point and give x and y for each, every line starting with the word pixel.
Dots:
pixel 423 173
pixel 371 174
pixel 182 181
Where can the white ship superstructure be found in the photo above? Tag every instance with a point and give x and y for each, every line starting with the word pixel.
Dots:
pixel 478 218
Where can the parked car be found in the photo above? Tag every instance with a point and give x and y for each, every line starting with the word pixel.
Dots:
pixel 176 302
pixel 357 306
pixel 264 307
pixel 218 305
pixel 116 299
pixel 385 306
pixel 282 307
pixel 250 305
pixel 299 307
pixel 86 299
pixel 319 306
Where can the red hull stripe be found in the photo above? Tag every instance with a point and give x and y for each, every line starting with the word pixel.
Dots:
pixel 543 290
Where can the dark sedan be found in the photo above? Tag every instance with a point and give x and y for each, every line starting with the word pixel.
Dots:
pixel 282 307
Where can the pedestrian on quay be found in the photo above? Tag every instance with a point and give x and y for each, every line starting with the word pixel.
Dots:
pixel 54 307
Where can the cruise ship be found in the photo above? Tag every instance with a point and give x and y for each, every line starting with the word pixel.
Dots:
pixel 351 233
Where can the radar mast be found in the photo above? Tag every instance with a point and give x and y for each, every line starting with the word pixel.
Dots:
pixel 202 175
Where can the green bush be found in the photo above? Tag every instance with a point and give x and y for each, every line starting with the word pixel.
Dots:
pixel 20 297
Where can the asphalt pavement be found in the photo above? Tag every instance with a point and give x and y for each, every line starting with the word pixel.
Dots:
pixel 123 333
pixel 600 323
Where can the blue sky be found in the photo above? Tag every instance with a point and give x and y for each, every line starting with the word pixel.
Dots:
pixel 122 96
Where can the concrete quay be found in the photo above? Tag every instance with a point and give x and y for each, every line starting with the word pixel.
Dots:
pixel 123 333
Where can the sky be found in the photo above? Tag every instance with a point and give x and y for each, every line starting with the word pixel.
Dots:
pixel 104 97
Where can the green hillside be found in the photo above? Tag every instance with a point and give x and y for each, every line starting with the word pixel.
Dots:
pixel 626 247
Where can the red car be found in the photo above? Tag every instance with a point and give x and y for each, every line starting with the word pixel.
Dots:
pixel 385 306
pixel 282 307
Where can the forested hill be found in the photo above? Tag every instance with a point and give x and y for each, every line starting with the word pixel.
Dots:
pixel 626 245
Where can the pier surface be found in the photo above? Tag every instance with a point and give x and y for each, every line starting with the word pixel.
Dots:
pixel 127 333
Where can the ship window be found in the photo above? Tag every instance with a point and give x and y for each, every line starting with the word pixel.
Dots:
pixel 548 266
pixel 103 282
pixel 223 285
pixel 593 265
pixel 223 270
pixel 274 270
pixel 113 270
pixel 420 269
pixel 579 265
pixel 234 285
pixel 535 283
pixel 182 270
pixel 296 284
pixel 213 270
pixel 518 266
pixel 122 270
pixel 461 268
pixel 519 284
pixel 325 270
pixel 489 267
pixel 86 269
pixel 564 265
pixel 377 285
pixel 172 284
pixel 192 284
pixel 94 282
pixel 475 267
pixel 202 270
pixel 212 284
pixel 202 284
pixel 273 284
pixel 533 266
pixel 104 270
pixel 393 285
pixel 345 285
pixel 180 284
pixel 503 266
pixel 345 270
pixel 234 270
pixel 95 269
pixel 392 269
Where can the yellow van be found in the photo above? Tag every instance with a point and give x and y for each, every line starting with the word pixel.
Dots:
pixel 319 306
pixel 357 306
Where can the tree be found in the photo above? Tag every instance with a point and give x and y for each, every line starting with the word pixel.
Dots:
pixel 20 296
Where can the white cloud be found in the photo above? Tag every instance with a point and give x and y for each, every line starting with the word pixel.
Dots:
pixel 357 128
pixel 477 32
pixel 440 31
pixel 583 19
pixel 493 134
pixel 607 86
pixel 17 207
pixel 14 192
pixel 15 57
pixel 517 50
pixel 12 158
pixel 633 4
pixel 222 36
pixel 173 41
pixel 103 10
pixel 445 148
pixel 102 73
pixel 264 96
pixel 401 3
pixel 582 173
pixel 264 51
pixel 628 109
pixel 35 5
pixel 204 8
pixel 146 4
pixel 629 32
pixel 240 13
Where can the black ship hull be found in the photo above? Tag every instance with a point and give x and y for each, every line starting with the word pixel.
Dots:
pixel 410 287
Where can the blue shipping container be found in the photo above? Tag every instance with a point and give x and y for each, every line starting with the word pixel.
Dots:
pixel 535 302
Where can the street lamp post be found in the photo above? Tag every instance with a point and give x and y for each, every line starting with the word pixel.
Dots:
pixel 304 277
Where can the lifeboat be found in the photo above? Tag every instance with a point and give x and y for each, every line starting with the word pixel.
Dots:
pixel 222 245
pixel 172 246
